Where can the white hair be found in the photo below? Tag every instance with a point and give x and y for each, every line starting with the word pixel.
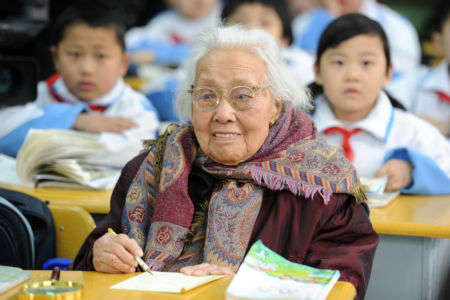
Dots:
pixel 283 85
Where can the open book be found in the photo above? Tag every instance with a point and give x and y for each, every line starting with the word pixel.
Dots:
pixel 58 158
pixel 267 275
pixel 8 174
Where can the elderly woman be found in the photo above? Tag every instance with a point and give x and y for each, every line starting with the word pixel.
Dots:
pixel 246 167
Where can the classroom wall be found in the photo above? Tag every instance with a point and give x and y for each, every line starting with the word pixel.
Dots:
pixel 415 10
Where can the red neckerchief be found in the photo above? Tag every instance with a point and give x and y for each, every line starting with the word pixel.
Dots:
pixel 52 79
pixel 348 150
pixel 443 97
pixel 176 38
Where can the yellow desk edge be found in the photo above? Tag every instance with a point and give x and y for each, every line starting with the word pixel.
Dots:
pixel 422 216
pixel 408 215
pixel 94 201
pixel 96 286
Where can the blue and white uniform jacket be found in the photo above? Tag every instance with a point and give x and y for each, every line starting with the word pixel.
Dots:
pixel 419 91
pixel 389 133
pixel 57 108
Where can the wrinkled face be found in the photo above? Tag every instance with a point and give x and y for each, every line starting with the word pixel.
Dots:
pixel 90 61
pixel 258 16
pixel 228 135
pixel 193 9
pixel 352 75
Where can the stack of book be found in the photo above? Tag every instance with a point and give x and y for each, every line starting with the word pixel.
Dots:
pixel 60 158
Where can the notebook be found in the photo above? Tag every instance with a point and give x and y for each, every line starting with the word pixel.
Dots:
pixel 266 275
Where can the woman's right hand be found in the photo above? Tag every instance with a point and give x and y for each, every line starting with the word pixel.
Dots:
pixel 115 253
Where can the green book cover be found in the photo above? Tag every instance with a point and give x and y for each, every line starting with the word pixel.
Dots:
pixel 266 275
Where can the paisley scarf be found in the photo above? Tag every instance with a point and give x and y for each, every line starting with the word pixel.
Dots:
pixel 159 213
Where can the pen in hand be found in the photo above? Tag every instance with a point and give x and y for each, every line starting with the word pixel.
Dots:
pixel 139 260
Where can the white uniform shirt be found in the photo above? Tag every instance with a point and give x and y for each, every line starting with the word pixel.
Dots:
pixel 300 63
pixel 417 91
pixel 170 26
pixel 121 101
pixel 385 128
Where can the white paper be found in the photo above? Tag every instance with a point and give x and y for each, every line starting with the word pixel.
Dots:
pixel 374 185
pixel 168 282
pixel 374 188
pixel 379 200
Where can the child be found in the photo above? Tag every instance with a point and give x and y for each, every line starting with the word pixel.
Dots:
pixel 353 63
pixel 166 38
pixel 426 91
pixel 274 17
pixel 88 92
pixel 270 15
pixel 401 33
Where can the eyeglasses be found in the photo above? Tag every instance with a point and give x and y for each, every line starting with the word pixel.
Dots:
pixel 240 97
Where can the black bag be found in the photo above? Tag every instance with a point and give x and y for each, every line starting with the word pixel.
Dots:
pixel 27 231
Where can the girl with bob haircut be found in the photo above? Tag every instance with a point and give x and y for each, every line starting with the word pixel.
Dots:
pixel 353 64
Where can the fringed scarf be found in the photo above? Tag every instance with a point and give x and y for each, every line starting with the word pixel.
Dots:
pixel 159 213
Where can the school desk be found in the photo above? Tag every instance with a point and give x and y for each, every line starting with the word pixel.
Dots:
pixel 94 201
pixel 146 73
pixel 413 256
pixel 96 286
pixel 136 82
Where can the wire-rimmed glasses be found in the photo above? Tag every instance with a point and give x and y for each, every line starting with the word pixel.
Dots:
pixel 240 97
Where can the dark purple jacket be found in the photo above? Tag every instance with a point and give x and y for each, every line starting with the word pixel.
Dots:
pixel 335 236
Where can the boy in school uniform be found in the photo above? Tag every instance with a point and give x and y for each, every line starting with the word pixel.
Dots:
pixel 353 64
pixel 426 91
pixel 88 93
pixel 166 39
pixel 402 35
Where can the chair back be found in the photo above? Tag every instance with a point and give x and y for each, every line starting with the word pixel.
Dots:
pixel 72 224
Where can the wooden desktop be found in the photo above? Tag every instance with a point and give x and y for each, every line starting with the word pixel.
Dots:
pixel 424 216
pixel 96 286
